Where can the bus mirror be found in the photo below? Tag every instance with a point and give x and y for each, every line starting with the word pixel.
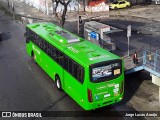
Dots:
pixel 60 57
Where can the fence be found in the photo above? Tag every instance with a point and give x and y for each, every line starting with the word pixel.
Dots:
pixel 147 60
pixel 152 60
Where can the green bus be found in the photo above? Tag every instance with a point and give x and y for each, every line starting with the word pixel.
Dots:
pixel 92 76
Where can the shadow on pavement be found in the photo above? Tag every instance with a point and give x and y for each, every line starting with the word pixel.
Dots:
pixel 132 84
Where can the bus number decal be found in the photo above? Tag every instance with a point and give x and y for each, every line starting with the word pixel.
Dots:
pixel 111 85
pixel 115 90
pixel 73 49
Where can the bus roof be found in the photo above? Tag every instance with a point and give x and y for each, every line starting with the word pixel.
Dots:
pixel 78 49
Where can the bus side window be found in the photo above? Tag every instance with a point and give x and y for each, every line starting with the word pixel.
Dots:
pixel 50 49
pixel 33 37
pixel 56 55
pixel 47 49
pixel 36 39
pixel 75 70
pixel 78 72
pixel 70 65
pixel 43 45
pixel 81 74
pixel 27 39
pixel 27 35
pixel 60 58
pixel 53 52
pixel 66 63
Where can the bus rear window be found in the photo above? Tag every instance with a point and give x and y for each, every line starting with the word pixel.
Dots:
pixel 105 71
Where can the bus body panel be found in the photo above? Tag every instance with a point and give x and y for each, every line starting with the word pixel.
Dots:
pixel 107 92
pixel 29 48
pixel 75 89
pixel 103 103
pixel 46 63
pixel 102 93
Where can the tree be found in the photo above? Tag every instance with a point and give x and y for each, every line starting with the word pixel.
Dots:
pixel 60 15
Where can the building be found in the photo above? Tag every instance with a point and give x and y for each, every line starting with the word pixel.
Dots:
pixel 47 6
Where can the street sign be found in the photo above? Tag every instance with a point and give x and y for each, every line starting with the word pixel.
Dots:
pixel 129 31
pixel 93 35
pixel 128 35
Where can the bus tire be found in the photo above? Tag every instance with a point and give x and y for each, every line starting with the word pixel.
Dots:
pixel 115 8
pixel 58 83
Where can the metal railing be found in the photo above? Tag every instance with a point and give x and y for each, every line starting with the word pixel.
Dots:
pixel 149 60
pixel 152 60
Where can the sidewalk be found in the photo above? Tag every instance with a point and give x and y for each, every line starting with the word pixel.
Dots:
pixel 148 12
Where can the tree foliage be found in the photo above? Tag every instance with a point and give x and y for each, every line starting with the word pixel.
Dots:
pixel 61 16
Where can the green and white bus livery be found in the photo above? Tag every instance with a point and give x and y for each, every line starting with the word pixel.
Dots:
pixel 92 76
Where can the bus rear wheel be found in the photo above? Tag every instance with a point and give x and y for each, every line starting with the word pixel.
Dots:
pixel 58 83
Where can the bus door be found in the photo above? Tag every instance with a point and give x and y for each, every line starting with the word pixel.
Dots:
pixel 73 80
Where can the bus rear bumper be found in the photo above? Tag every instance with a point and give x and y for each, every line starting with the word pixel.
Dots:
pixel 94 105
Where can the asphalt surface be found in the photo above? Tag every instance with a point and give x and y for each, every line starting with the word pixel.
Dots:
pixel 145 34
pixel 25 86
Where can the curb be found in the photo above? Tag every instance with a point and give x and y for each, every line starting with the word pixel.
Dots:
pixel 134 29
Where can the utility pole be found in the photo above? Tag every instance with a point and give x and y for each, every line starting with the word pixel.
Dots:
pixel 128 35
pixel 79 22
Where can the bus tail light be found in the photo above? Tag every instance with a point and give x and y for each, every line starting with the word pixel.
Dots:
pixel 122 87
pixel 90 95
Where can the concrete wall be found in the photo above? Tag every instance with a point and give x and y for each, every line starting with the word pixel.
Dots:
pixel 38 4
pixel 98 8
pixel 46 6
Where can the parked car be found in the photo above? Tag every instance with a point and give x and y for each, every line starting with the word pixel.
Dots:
pixel 120 4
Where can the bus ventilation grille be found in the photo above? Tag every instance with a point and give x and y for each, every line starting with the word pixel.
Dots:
pixel 68 36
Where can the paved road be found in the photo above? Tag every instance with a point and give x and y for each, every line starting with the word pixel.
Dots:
pixel 145 33
pixel 24 85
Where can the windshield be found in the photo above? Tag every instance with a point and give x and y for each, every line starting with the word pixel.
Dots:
pixel 115 2
pixel 106 71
